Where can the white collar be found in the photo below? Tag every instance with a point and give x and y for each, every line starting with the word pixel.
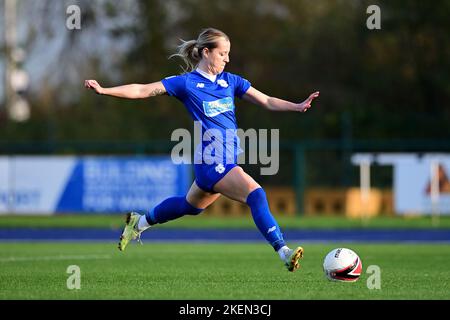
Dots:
pixel 210 77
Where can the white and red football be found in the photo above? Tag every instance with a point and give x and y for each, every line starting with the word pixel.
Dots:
pixel 342 264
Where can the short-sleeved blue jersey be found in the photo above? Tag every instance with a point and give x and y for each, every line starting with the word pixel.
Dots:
pixel 212 104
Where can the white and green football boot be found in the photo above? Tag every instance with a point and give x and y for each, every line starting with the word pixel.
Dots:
pixel 130 232
pixel 292 258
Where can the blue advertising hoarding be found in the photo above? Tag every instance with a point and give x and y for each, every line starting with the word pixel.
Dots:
pixel 89 184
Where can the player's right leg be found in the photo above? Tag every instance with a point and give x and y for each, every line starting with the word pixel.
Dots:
pixel 172 208
pixel 239 186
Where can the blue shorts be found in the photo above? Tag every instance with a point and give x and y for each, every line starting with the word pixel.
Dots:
pixel 207 175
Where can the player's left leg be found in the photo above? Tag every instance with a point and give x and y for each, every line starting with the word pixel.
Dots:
pixel 239 186
pixel 171 208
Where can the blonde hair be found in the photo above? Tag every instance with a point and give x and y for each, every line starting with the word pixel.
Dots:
pixel 191 51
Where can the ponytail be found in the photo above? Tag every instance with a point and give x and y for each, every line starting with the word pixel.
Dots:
pixel 191 51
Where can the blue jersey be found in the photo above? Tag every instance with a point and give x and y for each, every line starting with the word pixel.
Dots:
pixel 212 104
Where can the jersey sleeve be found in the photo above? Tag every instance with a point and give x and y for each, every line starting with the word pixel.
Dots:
pixel 175 86
pixel 241 85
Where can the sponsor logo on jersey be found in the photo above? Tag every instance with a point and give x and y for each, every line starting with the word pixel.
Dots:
pixel 213 108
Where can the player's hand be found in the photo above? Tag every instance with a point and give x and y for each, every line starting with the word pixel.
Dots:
pixel 305 105
pixel 92 84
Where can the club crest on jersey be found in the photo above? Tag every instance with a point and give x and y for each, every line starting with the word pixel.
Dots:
pixel 222 83
pixel 200 85
pixel 220 168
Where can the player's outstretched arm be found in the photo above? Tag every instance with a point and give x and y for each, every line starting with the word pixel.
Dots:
pixel 257 97
pixel 128 91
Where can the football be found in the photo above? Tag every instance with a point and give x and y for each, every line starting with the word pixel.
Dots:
pixel 342 264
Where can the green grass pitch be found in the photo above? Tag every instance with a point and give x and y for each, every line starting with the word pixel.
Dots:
pixel 237 271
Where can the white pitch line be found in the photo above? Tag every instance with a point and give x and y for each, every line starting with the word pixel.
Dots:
pixel 51 258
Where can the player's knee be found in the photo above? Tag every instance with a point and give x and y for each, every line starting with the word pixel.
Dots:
pixel 257 196
pixel 190 209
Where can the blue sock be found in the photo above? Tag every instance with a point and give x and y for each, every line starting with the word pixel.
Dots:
pixel 170 209
pixel 264 220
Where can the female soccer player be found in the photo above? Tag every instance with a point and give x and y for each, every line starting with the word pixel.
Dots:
pixel 208 94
